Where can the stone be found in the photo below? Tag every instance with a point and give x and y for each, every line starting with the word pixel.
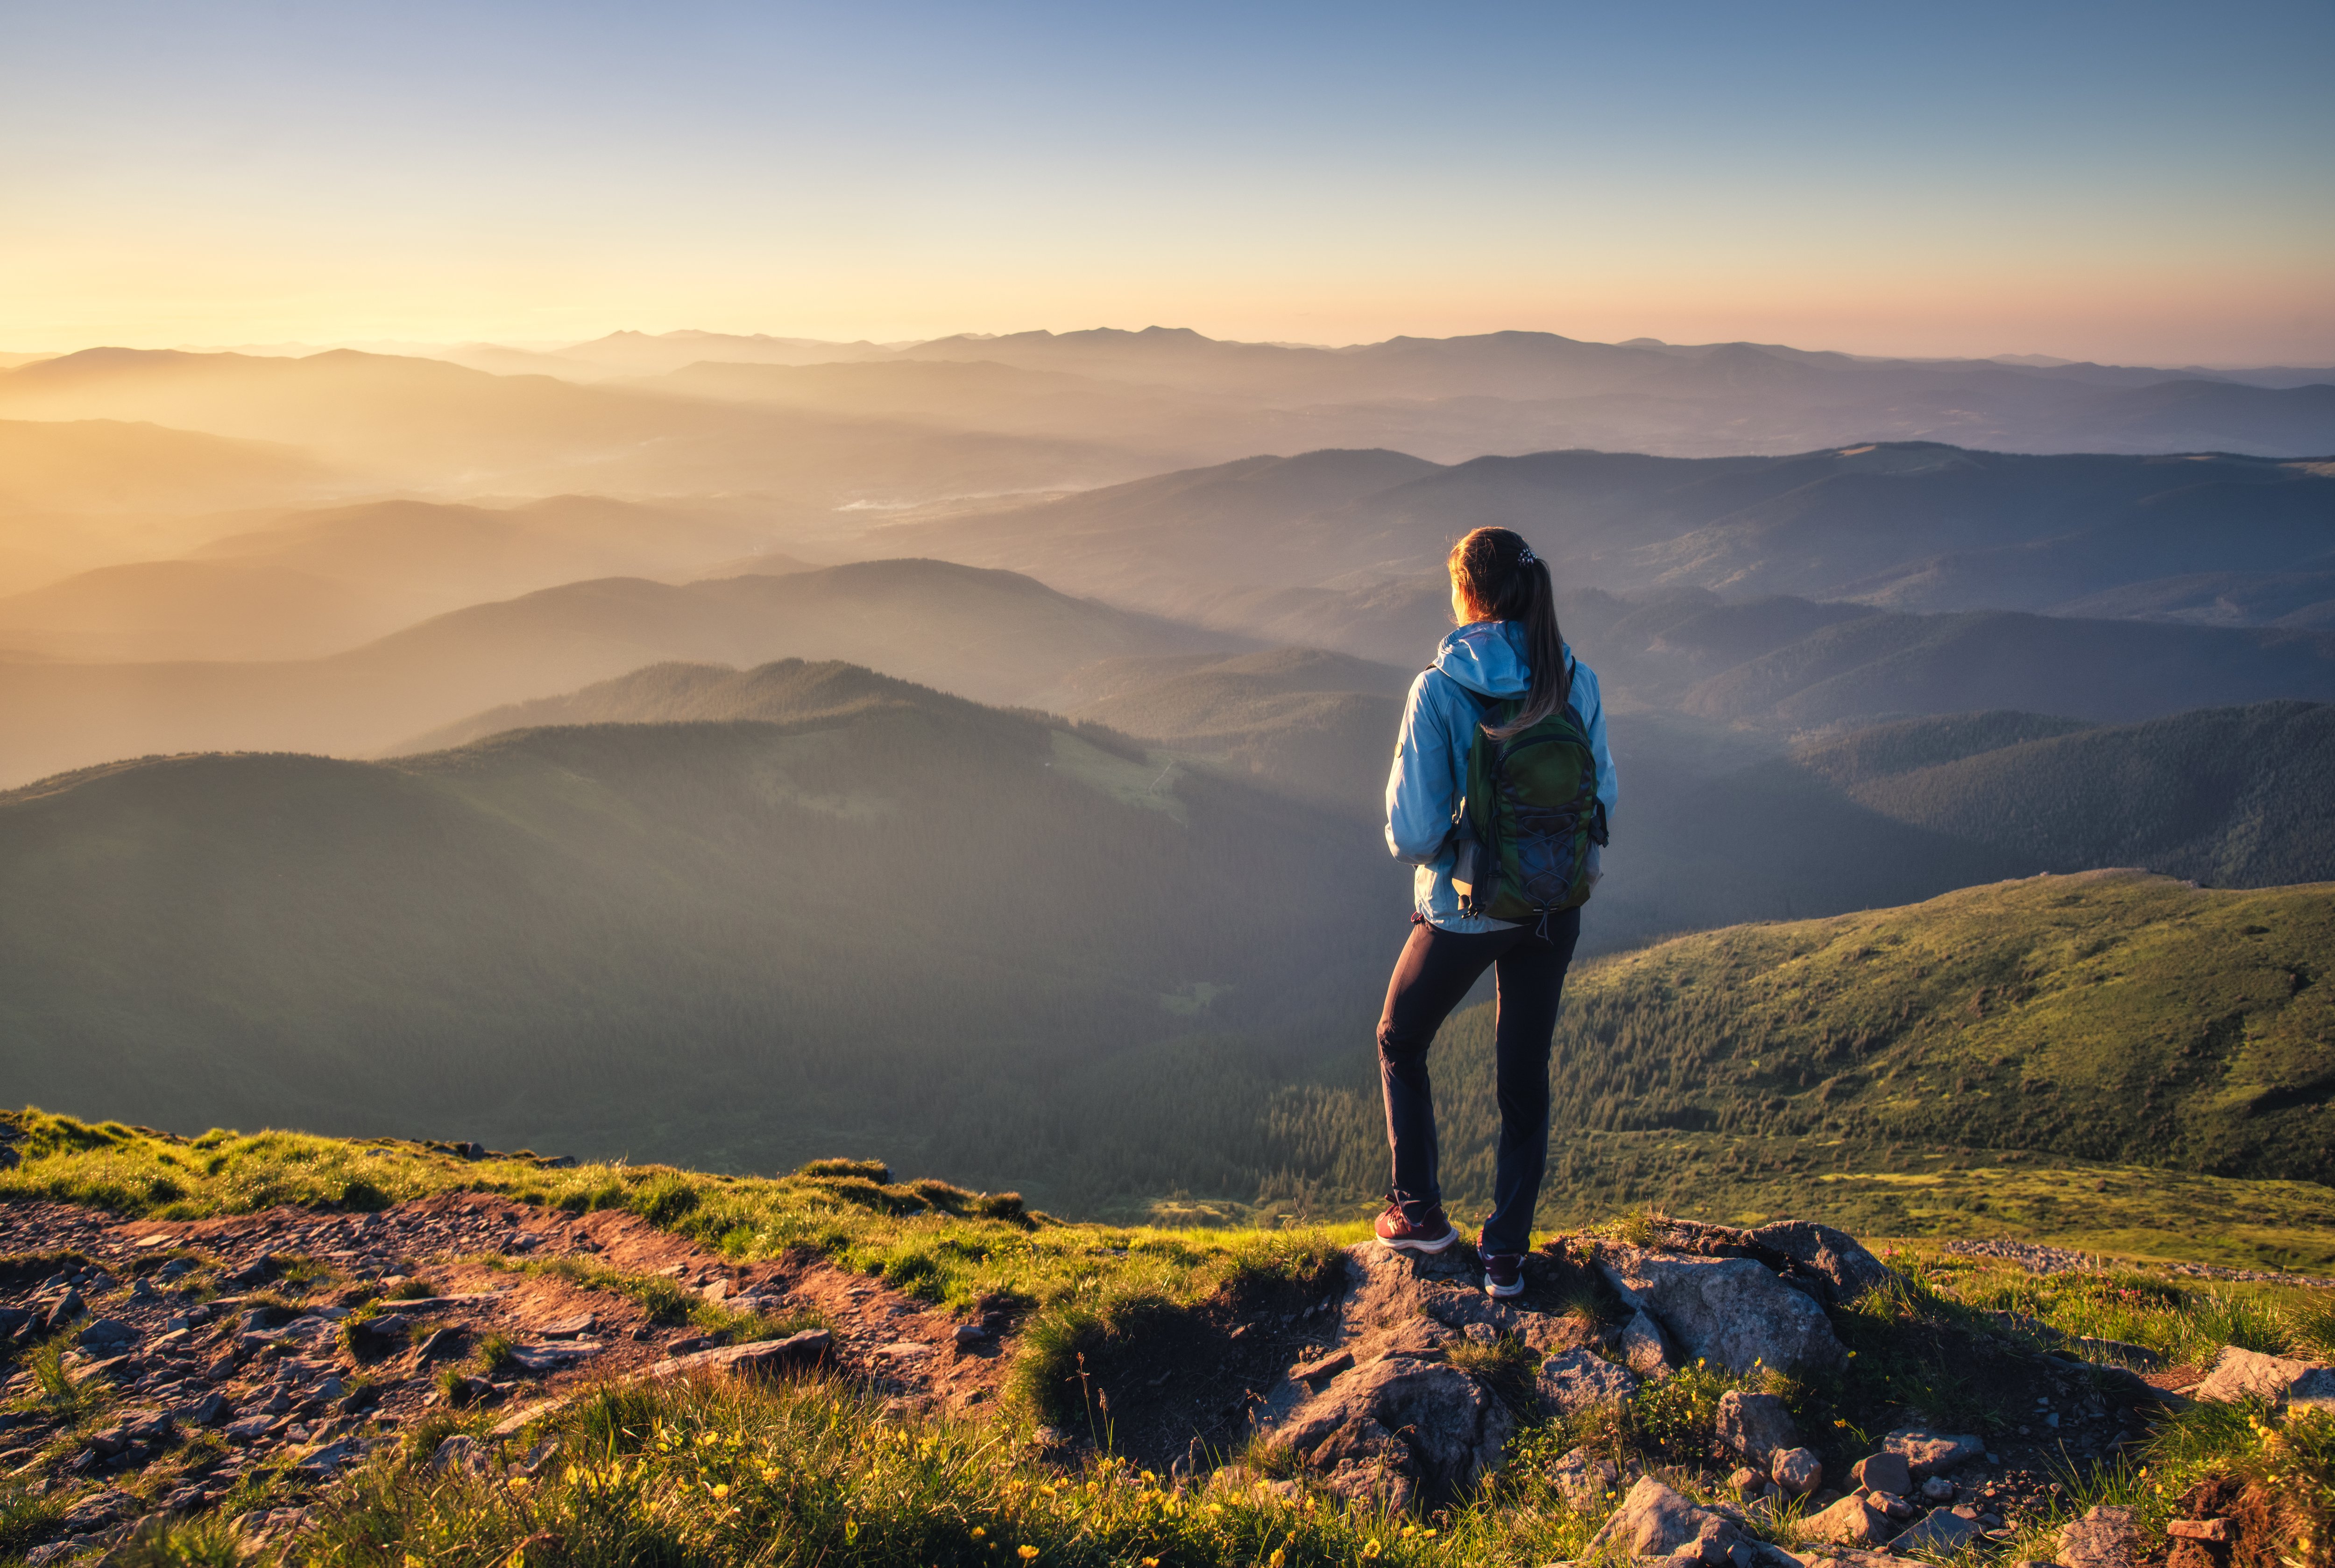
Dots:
pixel 552 1358
pixel 330 1456
pixel 460 1454
pixel 1837 1258
pixel 1941 1530
pixel 1312 1371
pixel 757 1357
pixel 519 1421
pixel 1930 1454
pixel 1572 1381
pixel 2283 1380
pixel 574 1328
pixel 2219 1531
pixel 1891 1504
pixel 1654 1520
pixel 2105 1537
pixel 99 1509
pixel 1425 1424
pixel 106 1336
pixel 1938 1489
pixel 1851 1521
pixel 1797 1470
pixel 250 1429
pixel 1643 1348
pixel 1585 1479
pixel 210 1410
pixel 1755 1425
pixel 1886 1471
pixel 1743 1478
pixel 1734 1311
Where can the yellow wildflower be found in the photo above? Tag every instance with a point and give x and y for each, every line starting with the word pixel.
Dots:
pixel 978 1531
pixel 769 1474
pixel 721 1490
pixel 1027 1554
pixel 1371 1547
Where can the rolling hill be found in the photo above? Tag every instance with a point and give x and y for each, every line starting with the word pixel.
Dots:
pixel 446 430
pixel 1908 526
pixel 902 920
pixel 309 584
pixel 2112 1016
pixel 990 635
pixel 2228 797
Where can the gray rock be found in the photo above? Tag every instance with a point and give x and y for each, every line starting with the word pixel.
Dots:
pixel 760 1356
pixel 460 1454
pixel 1642 1346
pixel 1938 1489
pixel 106 1336
pixel 1571 1381
pixel 1585 1479
pixel 551 1358
pixel 970 1334
pixel 1941 1530
pixel 1654 1520
pixel 2102 1538
pixel 1851 1521
pixel 1842 1262
pixel 2283 1380
pixel 1796 1470
pixel 1932 1454
pixel 1734 1311
pixel 1883 1472
pixel 1755 1426
pixel 1745 1479
pixel 1426 1423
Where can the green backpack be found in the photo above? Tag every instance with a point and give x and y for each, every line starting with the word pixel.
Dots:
pixel 1531 822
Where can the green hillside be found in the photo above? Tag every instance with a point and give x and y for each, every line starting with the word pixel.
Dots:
pixel 951 931
pixel 2232 797
pixel 2108 1016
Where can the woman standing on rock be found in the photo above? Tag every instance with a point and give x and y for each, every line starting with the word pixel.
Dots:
pixel 1501 788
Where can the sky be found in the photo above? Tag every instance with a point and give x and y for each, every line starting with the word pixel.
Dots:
pixel 2135 183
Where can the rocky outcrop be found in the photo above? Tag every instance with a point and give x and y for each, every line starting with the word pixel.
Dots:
pixel 1572 1381
pixel 1755 1426
pixel 1733 1311
pixel 1851 1521
pixel 1928 1454
pixel 2283 1380
pixel 2102 1538
pixel 761 1356
pixel 1656 1521
pixel 1401 1427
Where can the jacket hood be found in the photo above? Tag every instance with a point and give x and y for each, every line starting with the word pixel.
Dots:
pixel 1487 657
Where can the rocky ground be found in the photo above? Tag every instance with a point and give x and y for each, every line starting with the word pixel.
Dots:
pixel 292 1338
pixel 290 1344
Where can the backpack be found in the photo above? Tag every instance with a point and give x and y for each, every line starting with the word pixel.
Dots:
pixel 1531 823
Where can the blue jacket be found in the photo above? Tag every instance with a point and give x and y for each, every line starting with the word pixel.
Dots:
pixel 1485 659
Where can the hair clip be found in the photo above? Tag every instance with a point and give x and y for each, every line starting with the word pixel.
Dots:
pixel 1525 557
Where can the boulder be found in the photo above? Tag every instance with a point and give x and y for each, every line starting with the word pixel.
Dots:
pixel 1399 1426
pixel 1572 1381
pixel 1585 1479
pixel 760 1356
pixel 2283 1380
pixel 1654 1520
pixel 1930 1454
pixel 461 1453
pixel 1941 1530
pixel 2102 1538
pixel 1851 1521
pixel 1796 1470
pixel 1886 1471
pixel 1837 1258
pixel 1642 1347
pixel 1735 1312
pixel 1755 1426
pixel 106 1337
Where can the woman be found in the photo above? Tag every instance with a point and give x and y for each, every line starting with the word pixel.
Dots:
pixel 1508 650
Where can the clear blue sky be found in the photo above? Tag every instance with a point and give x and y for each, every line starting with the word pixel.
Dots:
pixel 2133 181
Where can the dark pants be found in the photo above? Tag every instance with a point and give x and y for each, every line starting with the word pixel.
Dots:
pixel 1433 976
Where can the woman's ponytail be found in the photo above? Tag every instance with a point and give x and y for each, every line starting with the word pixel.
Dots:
pixel 1498 573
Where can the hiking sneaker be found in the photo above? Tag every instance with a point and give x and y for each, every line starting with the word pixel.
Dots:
pixel 1504 1275
pixel 1415 1228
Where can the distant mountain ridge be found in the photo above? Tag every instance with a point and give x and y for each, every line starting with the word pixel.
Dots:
pixel 993 636
pixel 1909 526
